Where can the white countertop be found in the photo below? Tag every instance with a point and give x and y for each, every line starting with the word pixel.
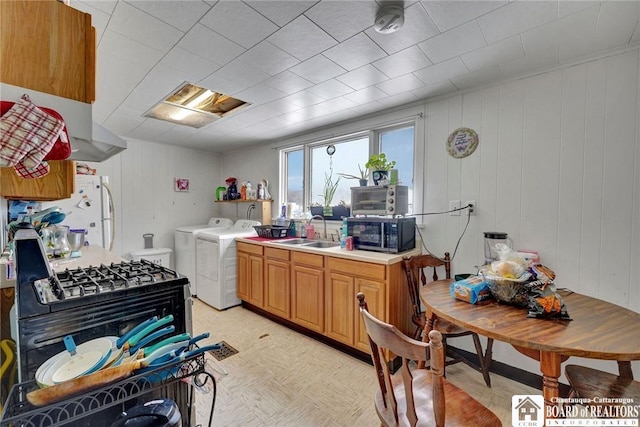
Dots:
pixel 356 255
pixel 91 256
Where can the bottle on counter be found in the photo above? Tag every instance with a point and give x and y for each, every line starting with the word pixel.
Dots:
pixel 343 234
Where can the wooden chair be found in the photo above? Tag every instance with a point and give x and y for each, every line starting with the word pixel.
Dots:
pixel 592 383
pixel 415 268
pixel 417 397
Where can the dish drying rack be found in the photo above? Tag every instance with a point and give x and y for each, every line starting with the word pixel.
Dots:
pixel 272 231
pixel 18 411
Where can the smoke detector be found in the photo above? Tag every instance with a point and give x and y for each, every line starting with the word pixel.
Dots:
pixel 389 19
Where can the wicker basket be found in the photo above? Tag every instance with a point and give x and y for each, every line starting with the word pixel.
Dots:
pixel 510 291
pixel 271 231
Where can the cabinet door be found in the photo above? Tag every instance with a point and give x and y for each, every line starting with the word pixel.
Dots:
pixel 49 47
pixel 307 297
pixel 243 276
pixel 256 281
pixel 375 298
pixel 341 304
pixel 57 184
pixel 277 286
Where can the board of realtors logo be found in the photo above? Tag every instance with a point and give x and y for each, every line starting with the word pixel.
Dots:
pixel 527 410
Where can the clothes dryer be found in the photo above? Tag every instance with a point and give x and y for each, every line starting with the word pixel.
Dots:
pixel 216 263
pixel 185 248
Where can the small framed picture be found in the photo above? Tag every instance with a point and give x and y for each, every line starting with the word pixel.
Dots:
pixel 181 184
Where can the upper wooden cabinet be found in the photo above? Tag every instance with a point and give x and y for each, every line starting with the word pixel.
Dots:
pixel 57 184
pixel 49 47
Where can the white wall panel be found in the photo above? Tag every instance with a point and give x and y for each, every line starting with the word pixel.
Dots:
pixel 558 168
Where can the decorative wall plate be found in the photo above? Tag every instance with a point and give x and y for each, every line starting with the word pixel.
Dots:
pixel 462 142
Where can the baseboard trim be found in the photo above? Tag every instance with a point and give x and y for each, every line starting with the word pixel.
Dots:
pixel 511 372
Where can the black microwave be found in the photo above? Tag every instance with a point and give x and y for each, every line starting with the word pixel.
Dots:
pixel 382 234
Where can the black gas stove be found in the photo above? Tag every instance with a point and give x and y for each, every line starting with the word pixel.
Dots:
pixel 88 303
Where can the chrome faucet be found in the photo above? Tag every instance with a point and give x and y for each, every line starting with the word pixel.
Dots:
pixel 324 224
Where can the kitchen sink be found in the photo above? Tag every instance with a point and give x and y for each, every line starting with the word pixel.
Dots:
pixel 322 245
pixel 290 241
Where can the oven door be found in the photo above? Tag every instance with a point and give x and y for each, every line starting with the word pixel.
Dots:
pixel 367 235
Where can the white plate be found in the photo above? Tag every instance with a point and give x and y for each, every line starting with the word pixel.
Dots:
pixel 44 374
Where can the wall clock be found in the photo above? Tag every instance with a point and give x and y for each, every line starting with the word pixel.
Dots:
pixel 462 143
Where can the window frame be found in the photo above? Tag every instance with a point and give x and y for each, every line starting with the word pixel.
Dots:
pixel 373 134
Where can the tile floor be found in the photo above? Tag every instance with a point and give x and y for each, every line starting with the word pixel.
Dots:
pixel 282 378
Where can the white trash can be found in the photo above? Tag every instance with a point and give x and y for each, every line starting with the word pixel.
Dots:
pixel 161 256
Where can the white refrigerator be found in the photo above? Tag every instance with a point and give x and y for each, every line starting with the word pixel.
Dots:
pixel 90 207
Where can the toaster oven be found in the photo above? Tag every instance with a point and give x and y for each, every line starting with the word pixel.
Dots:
pixel 380 200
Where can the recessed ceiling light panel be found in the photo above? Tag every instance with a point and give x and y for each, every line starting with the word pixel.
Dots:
pixel 194 106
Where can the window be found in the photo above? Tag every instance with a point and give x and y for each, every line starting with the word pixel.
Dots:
pixel 307 167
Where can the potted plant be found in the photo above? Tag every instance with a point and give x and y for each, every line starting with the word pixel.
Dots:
pixel 379 167
pixel 328 191
pixel 363 178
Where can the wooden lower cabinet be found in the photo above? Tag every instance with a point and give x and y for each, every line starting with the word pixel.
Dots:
pixel 318 292
pixel 250 274
pixel 307 290
pixel 277 282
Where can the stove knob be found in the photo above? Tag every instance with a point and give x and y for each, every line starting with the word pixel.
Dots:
pixel 390 200
pixel 390 192
pixel 390 208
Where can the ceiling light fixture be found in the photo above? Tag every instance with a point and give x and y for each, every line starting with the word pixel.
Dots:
pixel 389 19
pixel 194 106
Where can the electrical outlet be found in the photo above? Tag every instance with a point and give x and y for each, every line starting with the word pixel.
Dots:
pixel 474 209
pixel 454 204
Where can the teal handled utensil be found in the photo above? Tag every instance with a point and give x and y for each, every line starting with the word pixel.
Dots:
pixel 137 351
pixel 134 339
pixel 186 347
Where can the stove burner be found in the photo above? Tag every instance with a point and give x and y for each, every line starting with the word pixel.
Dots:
pixel 106 278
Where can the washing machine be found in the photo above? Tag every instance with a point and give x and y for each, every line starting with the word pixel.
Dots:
pixel 185 248
pixel 216 263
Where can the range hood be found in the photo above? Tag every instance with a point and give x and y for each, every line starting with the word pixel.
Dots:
pixel 103 144
pixel 89 141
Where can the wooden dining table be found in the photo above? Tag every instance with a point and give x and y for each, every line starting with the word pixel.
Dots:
pixel 599 330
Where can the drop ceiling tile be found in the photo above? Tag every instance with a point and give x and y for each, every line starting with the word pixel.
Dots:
pixel 234 77
pixel 583 38
pixel 288 82
pixel 400 84
pixel 516 17
pixel 369 108
pixel 343 19
pixel 399 99
pixel 339 104
pixel 302 38
pixel 457 41
pixel 140 26
pixel 417 27
pixel 191 66
pixel 450 14
pixel 440 88
pixel 534 60
pixel 403 62
pixel 544 37
pixel 210 45
pixel 99 17
pixel 105 6
pixel 362 77
pixel 130 51
pixel 282 106
pixel 478 78
pixel 570 7
pixel 330 89
pixel 318 69
pixel 304 98
pixel 268 58
pixel 355 52
pixel 495 53
pixel 122 123
pixel 616 23
pixel 442 71
pixel 366 95
pixel 259 94
pixel 281 12
pixel 173 12
pixel 238 22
